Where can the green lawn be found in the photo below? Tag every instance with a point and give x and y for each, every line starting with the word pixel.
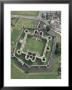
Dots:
pixel 21 22
pixel 14 21
pixel 14 35
pixel 27 23
pixel 35 45
pixel 17 73
pixel 18 27
pixel 25 13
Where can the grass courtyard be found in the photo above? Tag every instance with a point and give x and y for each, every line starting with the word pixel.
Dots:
pixel 35 44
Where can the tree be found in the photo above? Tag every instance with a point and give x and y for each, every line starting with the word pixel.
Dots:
pixel 26 72
pixel 59 70
pixel 58 49
pixel 43 16
pixel 47 16
pixel 47 28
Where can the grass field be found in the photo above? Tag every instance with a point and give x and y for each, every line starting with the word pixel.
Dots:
pixel 25 13
pixel 18 27
pixel 17 73
pixel 35 45
pixel 14 21
pixel 14 36
pixel 27 23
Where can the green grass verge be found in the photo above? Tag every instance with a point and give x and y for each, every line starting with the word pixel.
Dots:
pixel 14 35
pixel 25 13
